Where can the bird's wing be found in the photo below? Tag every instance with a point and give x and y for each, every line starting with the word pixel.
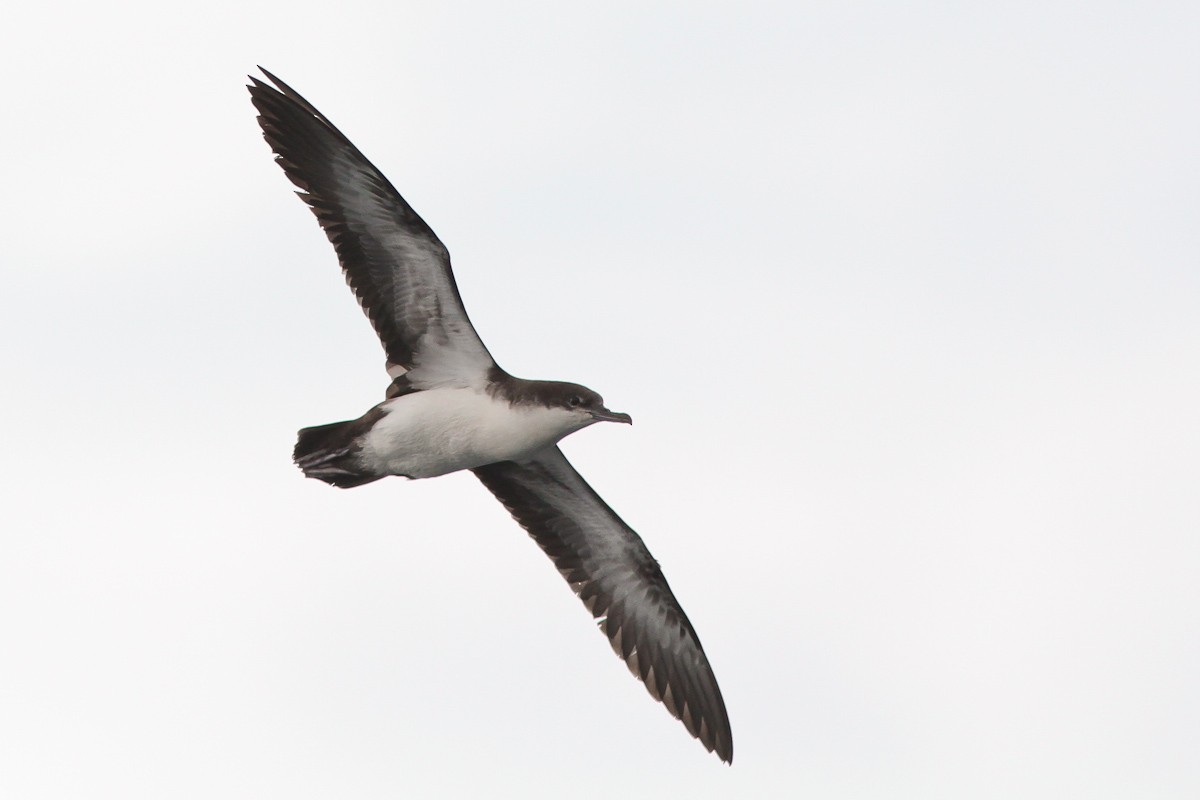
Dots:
pixel 393 261
pixel 609 567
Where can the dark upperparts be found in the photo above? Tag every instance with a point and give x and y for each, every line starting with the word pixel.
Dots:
pixel 550 394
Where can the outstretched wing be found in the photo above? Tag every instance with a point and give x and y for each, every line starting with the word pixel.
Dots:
pixel 611 570
pixel 393 261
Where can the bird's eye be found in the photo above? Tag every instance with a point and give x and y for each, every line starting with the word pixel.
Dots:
pixel 574 400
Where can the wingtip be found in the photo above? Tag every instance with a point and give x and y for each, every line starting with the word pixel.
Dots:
pixel 721 745
pixel 274 83
pixel 270 76
pixel 723 741
pixel 258 86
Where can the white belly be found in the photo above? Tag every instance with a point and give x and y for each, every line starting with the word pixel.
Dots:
pixel 430 433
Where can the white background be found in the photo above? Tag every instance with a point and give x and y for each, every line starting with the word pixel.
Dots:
pixel 903 299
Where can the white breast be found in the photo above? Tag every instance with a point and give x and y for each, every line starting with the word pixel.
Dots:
pixel 430 433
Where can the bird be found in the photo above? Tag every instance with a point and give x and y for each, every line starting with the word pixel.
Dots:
pixel 450 407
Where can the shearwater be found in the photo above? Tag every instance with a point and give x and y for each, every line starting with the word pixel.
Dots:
pixel 450 407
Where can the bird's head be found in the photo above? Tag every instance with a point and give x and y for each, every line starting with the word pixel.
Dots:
pixel 581 401
pixel 576 406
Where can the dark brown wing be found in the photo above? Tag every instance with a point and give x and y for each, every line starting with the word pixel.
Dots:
pixel 393 261
pixel 614 574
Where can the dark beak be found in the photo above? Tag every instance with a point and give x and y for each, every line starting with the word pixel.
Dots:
pixel 604 415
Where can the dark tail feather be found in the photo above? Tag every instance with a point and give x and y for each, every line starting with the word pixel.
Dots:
pixel 330 453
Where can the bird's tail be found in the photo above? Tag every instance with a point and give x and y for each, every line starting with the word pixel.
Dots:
pixel 331 453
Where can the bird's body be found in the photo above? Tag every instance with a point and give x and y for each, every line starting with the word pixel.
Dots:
pixel 450 407
pixel 438 431
pixel 426 434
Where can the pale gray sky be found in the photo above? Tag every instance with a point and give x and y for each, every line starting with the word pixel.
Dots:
pixel 903 299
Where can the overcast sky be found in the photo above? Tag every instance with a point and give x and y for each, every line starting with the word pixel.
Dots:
pixel 903 299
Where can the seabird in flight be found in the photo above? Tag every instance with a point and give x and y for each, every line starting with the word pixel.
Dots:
pixel 451 407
